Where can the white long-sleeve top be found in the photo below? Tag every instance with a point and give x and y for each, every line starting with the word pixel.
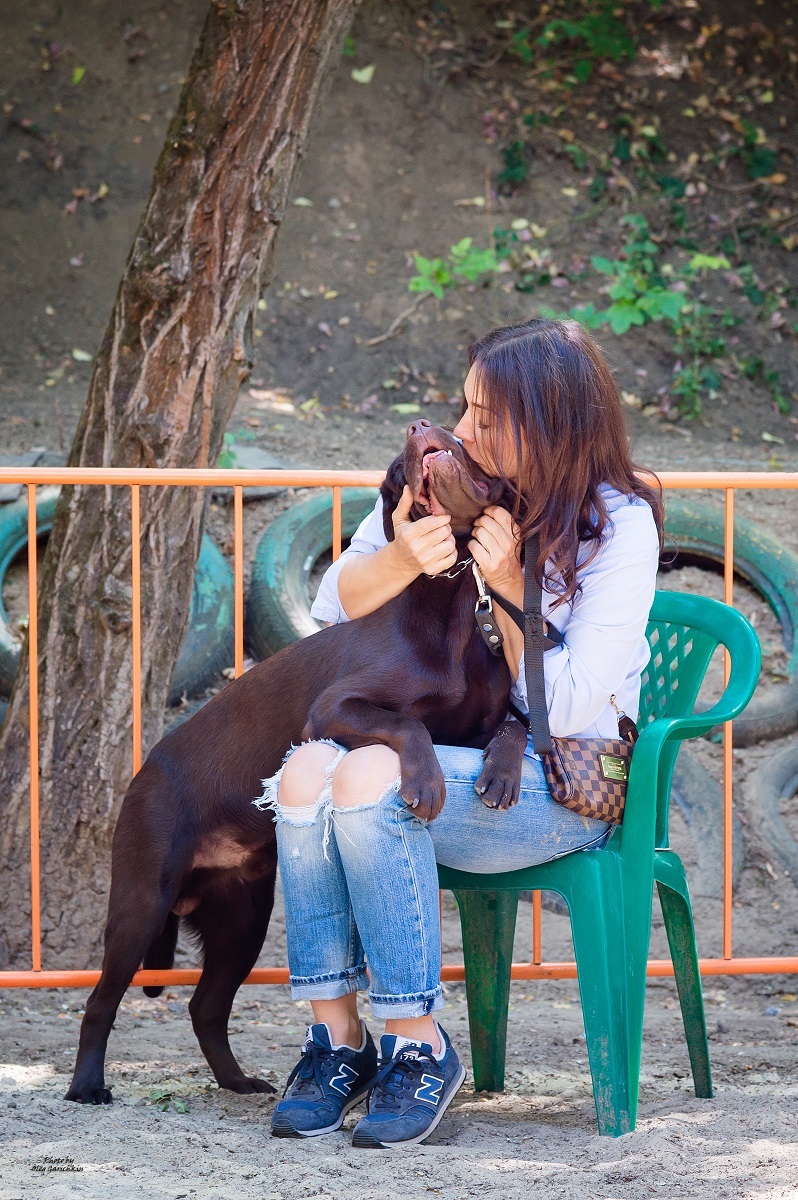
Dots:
pixel 604 649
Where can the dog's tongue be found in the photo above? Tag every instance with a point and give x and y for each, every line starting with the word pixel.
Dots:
pixel 436 508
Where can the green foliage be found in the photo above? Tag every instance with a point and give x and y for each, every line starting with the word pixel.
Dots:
pixel 349 48
pixel 637 289
pixel 576 155
pixel 696 341
pixel 671 185
pixel 599 34
pixel 760 159
pixel 228 457
pixel 164 1100
pixel 755 370
pixel 514 171
pixel 464 264
pixel 751 289
pixel 535 120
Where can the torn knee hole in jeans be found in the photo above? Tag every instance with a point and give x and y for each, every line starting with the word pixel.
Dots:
pixel 302 814
pixel 345 810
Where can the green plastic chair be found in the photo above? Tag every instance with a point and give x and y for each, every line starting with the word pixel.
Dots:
pixel 609 891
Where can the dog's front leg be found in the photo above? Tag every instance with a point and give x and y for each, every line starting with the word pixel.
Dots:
pixel 355 721
pixel 499 782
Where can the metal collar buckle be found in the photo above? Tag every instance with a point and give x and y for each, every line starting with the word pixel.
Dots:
pixel 454 571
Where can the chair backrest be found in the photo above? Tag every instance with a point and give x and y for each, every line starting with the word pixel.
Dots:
pixel 683 632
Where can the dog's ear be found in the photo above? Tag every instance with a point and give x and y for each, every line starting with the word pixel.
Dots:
pixel 391 490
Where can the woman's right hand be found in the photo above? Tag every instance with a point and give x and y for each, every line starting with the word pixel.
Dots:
pixel 426 545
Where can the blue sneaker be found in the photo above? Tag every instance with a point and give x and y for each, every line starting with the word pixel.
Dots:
pixel 410 1094
pixel 323 1086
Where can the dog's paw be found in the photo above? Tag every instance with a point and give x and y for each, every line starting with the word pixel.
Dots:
pixel 248 1085
pixel 89 1094
pixel 424 792
pixel 497 786
pixel 499 782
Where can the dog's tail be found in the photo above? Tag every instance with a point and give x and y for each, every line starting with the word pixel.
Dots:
pixel 161 954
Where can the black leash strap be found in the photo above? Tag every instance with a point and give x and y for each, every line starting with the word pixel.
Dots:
pixel 483 614
pixel 534 645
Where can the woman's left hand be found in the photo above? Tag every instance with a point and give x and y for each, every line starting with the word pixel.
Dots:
pixel 495 548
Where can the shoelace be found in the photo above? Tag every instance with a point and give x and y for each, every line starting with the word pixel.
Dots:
pixel 309 1069
pixel 396 1076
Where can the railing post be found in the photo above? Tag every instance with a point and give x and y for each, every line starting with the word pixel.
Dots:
pixel 537 953
pixel 33 701
pixel 728 812
pixel 336 523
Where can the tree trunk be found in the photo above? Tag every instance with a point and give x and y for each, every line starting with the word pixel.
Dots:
pixel 176 350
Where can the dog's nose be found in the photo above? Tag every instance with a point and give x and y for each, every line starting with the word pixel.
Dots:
pixel 418 426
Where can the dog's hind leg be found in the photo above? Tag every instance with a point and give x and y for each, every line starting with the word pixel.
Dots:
pixel 128 934
pixel 232 923
pixel 160 955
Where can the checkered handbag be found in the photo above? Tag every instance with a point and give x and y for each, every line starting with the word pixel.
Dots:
pixel 587 775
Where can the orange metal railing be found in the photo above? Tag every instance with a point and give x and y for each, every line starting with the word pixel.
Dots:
pixel 135 479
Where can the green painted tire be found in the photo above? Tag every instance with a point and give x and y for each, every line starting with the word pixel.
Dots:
pixel 278 604
pixel 208 644
pixel 775 779
pixel 771 569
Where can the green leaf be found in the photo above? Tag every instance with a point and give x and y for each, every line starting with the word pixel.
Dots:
pixel 623 315
pixel 363 74
pixel 603 265
pixel 77 75
pixel 671 186
pixel 587 316
pixel 406 410
pixel 712 262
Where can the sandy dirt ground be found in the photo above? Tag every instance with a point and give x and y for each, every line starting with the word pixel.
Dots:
pixel 385 170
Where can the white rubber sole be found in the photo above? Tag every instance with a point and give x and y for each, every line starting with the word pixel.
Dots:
pixel 375 1144
pixel 288 1130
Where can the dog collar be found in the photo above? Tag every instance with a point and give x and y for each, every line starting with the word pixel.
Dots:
pixel 454 571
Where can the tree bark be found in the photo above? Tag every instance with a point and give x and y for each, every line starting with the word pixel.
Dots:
pixel 176 350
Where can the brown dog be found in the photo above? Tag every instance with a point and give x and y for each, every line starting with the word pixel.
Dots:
pixel 189 842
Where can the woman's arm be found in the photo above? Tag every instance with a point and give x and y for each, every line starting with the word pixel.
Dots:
pixel 374 570
pixel 369 581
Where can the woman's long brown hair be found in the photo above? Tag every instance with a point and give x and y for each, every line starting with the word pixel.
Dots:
pixel 549 392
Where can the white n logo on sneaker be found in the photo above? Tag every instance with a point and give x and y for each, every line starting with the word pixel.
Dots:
pixel 342 1082
pixel 430 1090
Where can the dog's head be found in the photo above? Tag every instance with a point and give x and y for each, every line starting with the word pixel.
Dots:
pixel 442 478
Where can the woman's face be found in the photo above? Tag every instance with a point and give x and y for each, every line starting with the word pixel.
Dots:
pixel 478 437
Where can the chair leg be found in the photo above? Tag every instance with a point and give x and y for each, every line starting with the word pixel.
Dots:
pixel 488 923
pixel 611 947
pixel 679 927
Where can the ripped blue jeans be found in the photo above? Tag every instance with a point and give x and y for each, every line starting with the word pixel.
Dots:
pixel 364 877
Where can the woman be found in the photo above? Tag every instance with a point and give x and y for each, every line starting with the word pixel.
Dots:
pixel 542 412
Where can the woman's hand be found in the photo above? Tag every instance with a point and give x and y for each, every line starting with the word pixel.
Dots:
pixel 495 547
pixel 426 545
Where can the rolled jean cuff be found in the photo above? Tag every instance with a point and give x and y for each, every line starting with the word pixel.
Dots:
pixel 330 987
pixel 416 1004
